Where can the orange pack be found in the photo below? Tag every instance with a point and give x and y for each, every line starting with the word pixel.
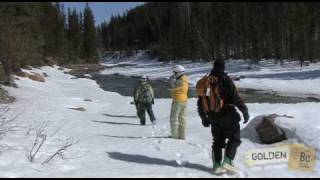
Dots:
pixel 208 89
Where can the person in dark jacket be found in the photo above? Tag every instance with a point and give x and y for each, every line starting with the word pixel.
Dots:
pixel 224 124
pixel 143 99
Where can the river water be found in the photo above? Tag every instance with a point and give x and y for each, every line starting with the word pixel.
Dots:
pixel 124 85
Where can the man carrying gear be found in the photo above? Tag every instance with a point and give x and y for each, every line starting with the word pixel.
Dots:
pixel 179 85
pixel 217 103
pixel 144 98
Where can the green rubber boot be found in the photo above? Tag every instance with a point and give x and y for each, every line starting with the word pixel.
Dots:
pixel 217 169
pixel 228 165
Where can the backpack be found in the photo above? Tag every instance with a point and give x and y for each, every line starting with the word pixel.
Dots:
pixel 145 95
pixel 209 90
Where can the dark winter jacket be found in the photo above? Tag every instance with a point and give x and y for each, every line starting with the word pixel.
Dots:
pixel 143 93
pixel 229 94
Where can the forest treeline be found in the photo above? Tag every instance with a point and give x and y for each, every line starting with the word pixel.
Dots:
pixel 38 33
pixel 211 30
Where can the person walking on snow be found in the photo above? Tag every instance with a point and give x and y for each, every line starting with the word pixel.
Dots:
pixel 218 99
pixel 178 84
pixel 143 99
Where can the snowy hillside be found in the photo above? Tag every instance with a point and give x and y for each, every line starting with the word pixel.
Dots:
pixel 108 140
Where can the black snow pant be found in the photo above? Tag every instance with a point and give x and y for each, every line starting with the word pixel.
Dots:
pixel 225 127
pixel 142 108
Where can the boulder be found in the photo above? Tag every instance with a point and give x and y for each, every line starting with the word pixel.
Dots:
pixel 21 74
pixel 250 131
pixel 33 76
pixel 5 98
pixel 36 77
pixel 269 132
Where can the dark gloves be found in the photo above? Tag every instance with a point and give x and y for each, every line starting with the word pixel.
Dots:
pixel 205 120
pixel 246 117
pixel 205 123
pixel 245 113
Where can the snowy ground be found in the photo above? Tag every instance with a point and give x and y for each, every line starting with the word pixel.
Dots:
pixel 288 79
pixel 117 146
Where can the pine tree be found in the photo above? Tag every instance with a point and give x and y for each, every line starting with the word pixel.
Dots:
pixel 90 37
pixel 20 43
pixel 74 32
pixel 214 30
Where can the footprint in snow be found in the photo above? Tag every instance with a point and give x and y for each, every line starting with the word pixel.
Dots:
pixel 158 148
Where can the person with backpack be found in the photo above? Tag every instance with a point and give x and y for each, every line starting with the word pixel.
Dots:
pixel 178 84
pixel 144 99
pixel 217 103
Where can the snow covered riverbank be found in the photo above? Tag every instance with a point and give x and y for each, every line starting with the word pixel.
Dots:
pixel 288 79
pixel 117 146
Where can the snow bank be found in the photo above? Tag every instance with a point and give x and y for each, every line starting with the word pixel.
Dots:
pixel 288 79
pixel 295 88
pixel 118 146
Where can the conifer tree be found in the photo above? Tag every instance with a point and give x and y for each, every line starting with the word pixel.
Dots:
pixel 89 47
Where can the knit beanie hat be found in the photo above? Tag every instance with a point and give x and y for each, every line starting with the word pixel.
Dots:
pixel 219 65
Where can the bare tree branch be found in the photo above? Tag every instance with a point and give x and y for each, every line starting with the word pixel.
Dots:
pixel 59 152
pixel 38 142
pixel 36 146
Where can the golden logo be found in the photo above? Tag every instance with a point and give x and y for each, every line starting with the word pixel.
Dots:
pixel 298 156
pixel 302 157
pixel 265 156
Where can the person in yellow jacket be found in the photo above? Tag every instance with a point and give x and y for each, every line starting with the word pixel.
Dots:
pixel 179 85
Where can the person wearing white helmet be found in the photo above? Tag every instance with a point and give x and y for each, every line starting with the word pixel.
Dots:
pixel 179 85
pixel 178 70
pixel 144 98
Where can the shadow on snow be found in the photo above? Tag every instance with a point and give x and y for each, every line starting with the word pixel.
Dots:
pixel 141 159
pixel 116 123
pixel 134 137
pixel 120 116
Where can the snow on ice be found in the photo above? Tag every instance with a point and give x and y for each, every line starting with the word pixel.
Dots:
pixel 109 146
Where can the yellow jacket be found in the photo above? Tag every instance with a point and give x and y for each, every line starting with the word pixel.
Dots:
pixel 179 88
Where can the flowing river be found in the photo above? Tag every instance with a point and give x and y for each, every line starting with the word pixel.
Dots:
pixel 124 85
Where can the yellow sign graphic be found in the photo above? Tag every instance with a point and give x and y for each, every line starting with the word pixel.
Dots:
pixel 268 156
pixel 298 156
pixel 302 157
